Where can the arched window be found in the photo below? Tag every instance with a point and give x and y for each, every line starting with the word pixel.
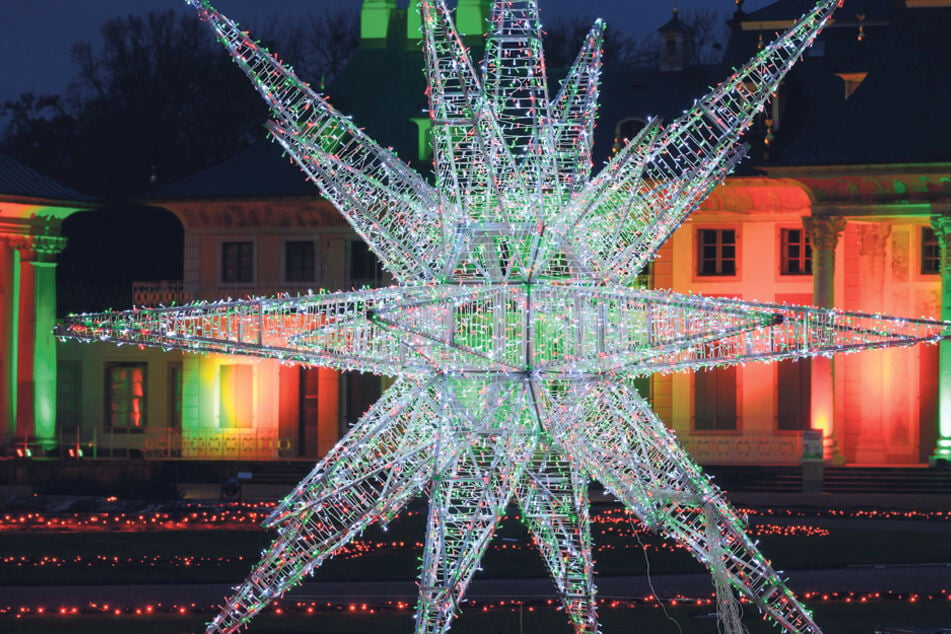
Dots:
pixel 625 130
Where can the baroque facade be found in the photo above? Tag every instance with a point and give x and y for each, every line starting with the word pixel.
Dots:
pixel 252 227
pixel 842 205
pixel 844 201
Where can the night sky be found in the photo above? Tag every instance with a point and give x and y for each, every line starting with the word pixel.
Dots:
pixel 39 34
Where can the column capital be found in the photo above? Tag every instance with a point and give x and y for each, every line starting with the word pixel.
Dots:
pixel 48 247
pixel 942 227
pixel 824 231
pixel 35 248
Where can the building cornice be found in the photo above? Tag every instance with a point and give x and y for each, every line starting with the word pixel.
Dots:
pixel 257 213
pixel 25 207
pixel 898 184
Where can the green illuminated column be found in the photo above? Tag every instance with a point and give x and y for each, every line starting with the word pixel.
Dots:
pixel 942 229
pixel 424 128
pixel 824 236
pixel 44 345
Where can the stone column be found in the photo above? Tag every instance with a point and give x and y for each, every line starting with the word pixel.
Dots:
pixel 942 454
pixel 25 336
pixel 824 236
pixel 8 292
pixel 36 365
pixel 875 407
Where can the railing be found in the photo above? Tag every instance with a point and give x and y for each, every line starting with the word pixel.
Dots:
pixel 161 443
pixel 162 293
pixel 166 293
pixel 232 444
pixel 759 449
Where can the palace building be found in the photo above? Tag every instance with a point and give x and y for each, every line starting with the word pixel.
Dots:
pixel 844 200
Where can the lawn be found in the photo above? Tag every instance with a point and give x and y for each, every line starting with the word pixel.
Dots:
pixel 208 556
pixel 835 618
pixel 97 557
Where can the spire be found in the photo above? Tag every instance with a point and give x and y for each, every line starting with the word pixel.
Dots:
pixel 676 44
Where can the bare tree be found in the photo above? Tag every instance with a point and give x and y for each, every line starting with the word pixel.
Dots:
pixel 318 45
pixel 564 37
pixel 710 32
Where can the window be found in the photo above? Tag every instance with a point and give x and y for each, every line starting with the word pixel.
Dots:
pixel 125 395
pixel 300 261
pixel 792 395
pixel 716 253
pixel 795 252
pixel 68 393
pixel 237 262
pixel 365 268
pixel 715 399
pixel 175 395
pixel 930 252
pixel 236 383
pixel 626 130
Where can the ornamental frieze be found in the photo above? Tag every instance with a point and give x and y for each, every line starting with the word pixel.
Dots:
pixel 258 215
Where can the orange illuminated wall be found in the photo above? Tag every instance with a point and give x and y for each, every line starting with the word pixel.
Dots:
pixel 882 405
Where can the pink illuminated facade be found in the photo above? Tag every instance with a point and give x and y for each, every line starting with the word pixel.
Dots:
pixel 844 202
pixel 761 238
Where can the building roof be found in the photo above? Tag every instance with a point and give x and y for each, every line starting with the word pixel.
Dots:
pixel 675 25
pixel 381 89
pixel 895 115
pixel 644 93
pixel 898 114
pixel 261 171
pixel 384 89
pixel 18 180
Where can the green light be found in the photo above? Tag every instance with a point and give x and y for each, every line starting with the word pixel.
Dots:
pixel 375 19
pixel 44 353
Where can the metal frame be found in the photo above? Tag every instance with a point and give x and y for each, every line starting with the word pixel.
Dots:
pixel 514 331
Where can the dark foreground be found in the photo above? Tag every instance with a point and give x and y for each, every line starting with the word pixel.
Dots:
pixel 864 567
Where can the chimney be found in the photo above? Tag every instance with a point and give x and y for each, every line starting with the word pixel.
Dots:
pixel 414 23
pixel 375 19
pixel 472 17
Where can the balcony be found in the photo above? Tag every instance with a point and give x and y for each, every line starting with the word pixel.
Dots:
pixel 164 293
pixel 167 293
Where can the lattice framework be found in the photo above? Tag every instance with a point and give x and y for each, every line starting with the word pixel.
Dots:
pixel 514 332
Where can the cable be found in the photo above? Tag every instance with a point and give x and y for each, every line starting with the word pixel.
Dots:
pixel 650 582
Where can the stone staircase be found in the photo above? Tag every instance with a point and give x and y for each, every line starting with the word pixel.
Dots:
pixel 886 480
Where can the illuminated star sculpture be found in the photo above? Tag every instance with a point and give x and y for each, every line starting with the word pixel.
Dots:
pixel 515 331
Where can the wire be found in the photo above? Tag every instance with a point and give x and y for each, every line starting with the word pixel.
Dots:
pixel 650 582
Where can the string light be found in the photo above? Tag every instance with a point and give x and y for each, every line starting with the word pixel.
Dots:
pixel 159 610
pixel 514 331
